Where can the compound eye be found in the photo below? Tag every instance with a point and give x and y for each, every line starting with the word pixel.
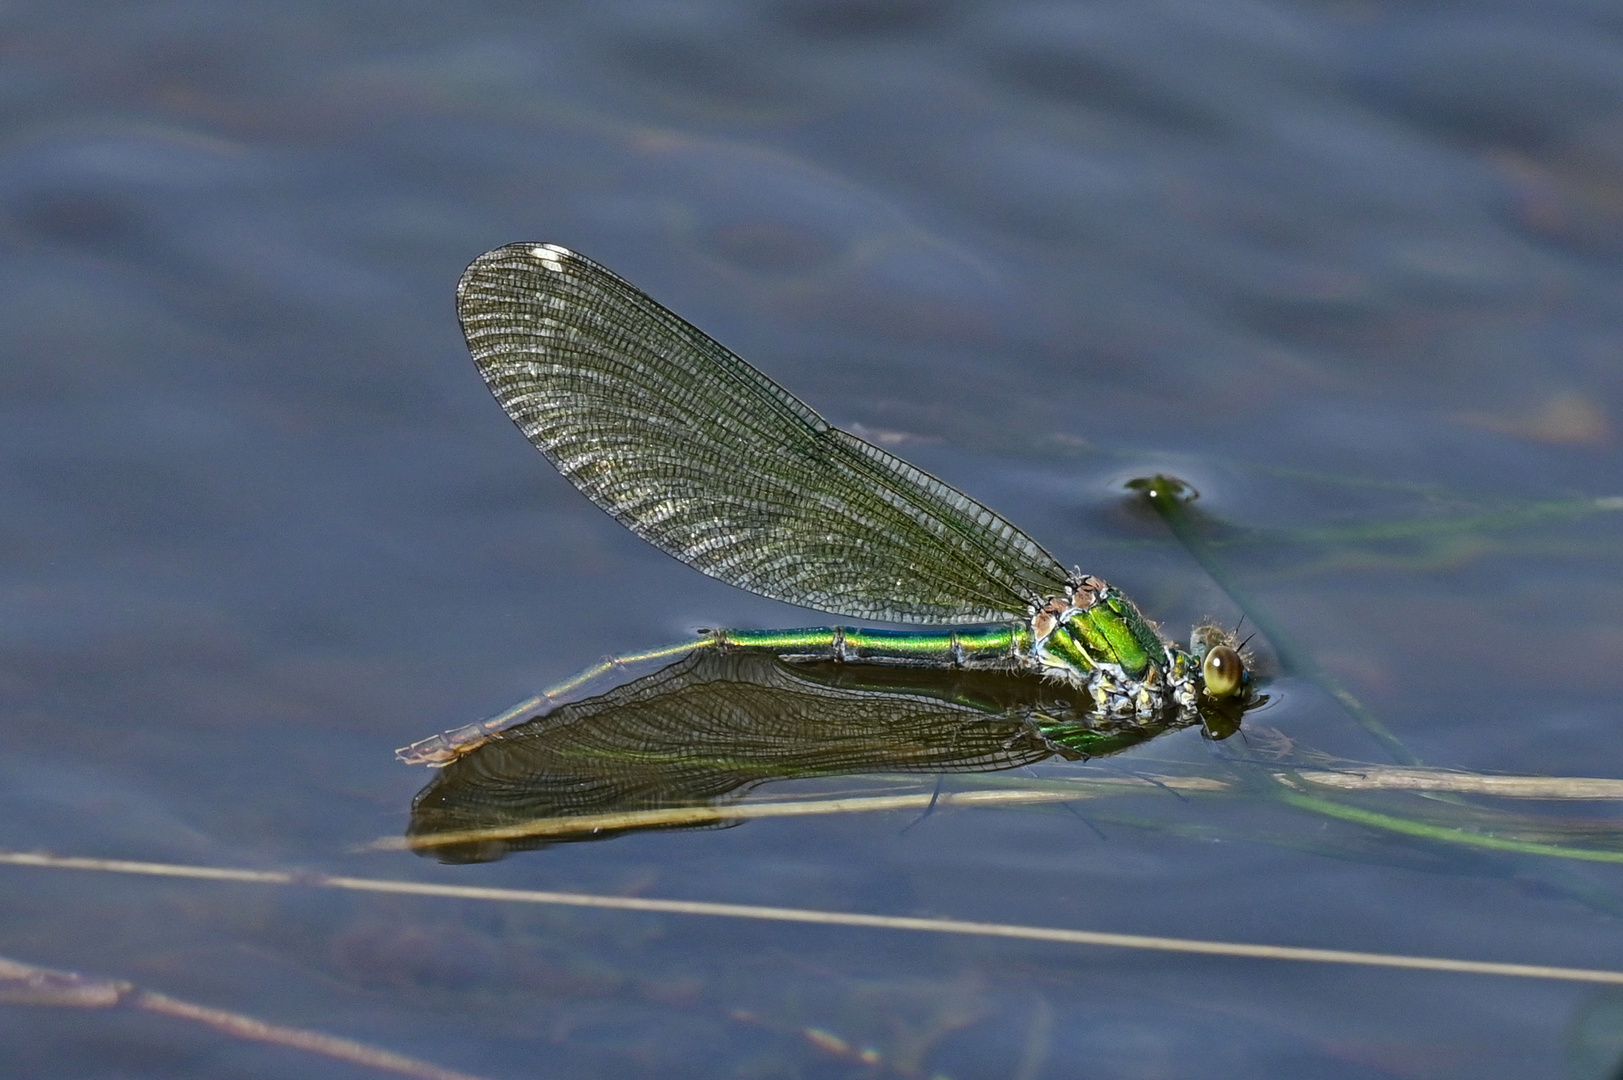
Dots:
pixel 1223 672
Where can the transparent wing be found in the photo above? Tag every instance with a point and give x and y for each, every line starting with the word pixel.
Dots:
pixel 698 453
pixel 707 729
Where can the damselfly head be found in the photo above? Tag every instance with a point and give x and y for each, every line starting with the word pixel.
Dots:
pixel 1222 672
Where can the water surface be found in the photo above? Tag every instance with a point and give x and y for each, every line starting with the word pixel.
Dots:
pixel 1341 266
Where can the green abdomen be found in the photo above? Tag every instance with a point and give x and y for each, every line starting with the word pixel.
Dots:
pixel 1003 646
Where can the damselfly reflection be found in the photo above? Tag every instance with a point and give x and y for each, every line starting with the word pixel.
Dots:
pixel 714 725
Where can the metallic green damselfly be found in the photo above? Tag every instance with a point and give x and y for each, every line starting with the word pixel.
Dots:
pixel 700 454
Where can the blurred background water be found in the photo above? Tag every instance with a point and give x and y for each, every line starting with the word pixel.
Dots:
pixel 1332 262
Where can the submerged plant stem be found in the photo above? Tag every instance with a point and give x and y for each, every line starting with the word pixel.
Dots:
pixel 1166 496
pixel 1508 517
pixel 1445 833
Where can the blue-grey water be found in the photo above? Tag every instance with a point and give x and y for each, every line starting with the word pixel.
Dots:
pixel 1338 264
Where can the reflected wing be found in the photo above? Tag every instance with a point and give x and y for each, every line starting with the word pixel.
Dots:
pixel 710 727
pixel 698 453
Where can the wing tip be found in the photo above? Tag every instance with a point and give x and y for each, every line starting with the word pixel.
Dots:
pixel 550 256
pixel 526 253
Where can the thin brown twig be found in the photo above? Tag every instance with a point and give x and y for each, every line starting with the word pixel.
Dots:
pixel 1362 778
pixel 1053 935
pixel 28 984
pixel 1399 778
pixel 708 814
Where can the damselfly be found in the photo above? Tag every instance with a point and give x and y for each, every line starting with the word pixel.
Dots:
pixel 700 454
